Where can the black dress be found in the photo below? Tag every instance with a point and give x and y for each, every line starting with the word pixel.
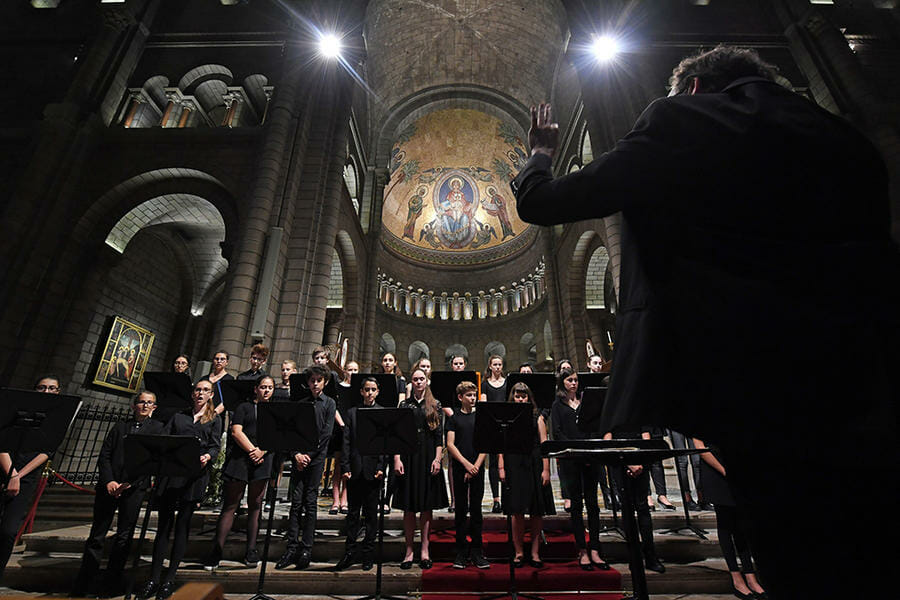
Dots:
pixel 523 492
pixel 417 489
pixel 715 486
pixel 238 464
pixel 210 435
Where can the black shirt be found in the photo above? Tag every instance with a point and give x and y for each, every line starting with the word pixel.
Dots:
pixel 463 426
pixel 494 394
pixel 564 419
pixel 251 374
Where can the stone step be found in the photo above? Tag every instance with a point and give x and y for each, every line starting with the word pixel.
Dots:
pixel 40 573
pixel 329 545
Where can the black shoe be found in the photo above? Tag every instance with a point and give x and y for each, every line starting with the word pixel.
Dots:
pixel 426 564
pixel 406 565
pixel 706 506
pixel 286 560
pixel 367 563
pixel 692 506
pixel 586 566
pixel 665 505
pixel 496 508
pixel 166 590
pixel 537 564
pixel 652 563
pixel 602 565
pixel 460 562
pixel 451 509
pixel 345 562
pixel 743 596
pixel 478 559
pixel 149 590
pixel 761 595
pixel 251 559
pixel 211 562
pixel 333 510
pixel 345 510
pixel 387 510
pixel 518 562
pixel 304 559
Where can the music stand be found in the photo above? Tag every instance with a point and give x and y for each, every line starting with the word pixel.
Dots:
pixel 542 386
pixel 505 428
pixel 588 420
pixel 619 454
pixel 33 422
pixel 282 427
pixel 387 389
pixel 384 431
pixel 236 391
pixel 159 456
pixel 173 393
pixel 592 380
pixel 443 386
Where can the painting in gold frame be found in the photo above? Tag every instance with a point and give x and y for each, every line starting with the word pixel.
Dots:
pixel 124 356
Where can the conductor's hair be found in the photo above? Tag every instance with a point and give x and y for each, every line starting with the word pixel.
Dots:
pixel 718 67
pixel 260 349
pixel 465 386
pixel 316 371
pixel 137 396
pixel 321 350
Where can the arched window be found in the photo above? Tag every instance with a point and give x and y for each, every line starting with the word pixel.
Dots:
pixel 455 350
pixel 417 350
pixel 494 348
pixel 587 153
pixel 336 288
pixel 594 281
pixel 387 344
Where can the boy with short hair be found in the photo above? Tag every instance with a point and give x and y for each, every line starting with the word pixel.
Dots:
pixel 364 476
pixel 468 477
pixel 259 353
pixel 306 474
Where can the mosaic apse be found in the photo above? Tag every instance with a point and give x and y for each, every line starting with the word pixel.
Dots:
pixel 448 200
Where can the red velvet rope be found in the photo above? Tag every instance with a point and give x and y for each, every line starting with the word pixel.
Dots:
pixel 28 524
pixel 72 485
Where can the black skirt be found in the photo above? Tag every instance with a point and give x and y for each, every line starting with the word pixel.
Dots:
pixel 417 489
pixel 239 467
pixel 523 492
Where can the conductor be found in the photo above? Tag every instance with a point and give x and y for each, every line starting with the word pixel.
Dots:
pixel 740 202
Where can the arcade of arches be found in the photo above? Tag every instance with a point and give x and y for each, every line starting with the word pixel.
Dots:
pixel 197 169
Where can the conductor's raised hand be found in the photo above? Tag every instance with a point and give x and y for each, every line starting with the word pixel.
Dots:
pixel 543 137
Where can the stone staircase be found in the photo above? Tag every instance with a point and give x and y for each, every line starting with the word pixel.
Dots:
pixel 47 560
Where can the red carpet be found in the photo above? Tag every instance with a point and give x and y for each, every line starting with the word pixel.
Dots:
pixel 560 572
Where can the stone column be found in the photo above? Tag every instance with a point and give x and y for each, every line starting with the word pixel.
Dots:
pixel 376 181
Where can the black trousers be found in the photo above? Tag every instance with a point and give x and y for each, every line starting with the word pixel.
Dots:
pixel 582 477
pixel 659 479
pixel 732 528
pixel 681 461
pixel 494 475
pixel 12 515
pixel 105 506
pixel 169 503
pixel 304 499
pixel 468 518
pixel 633 490
pixel 362 496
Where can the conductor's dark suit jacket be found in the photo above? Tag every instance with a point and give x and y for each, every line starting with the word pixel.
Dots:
pixel 758 291
pixel 360 467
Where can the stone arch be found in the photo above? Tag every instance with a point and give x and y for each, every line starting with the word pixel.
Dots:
pixel 418 349
pixel 199 75
pixel 345 250
pixel 455 350
pixel 494 347
pixel 595 278
pixel 577 330
pixel 528 348
pixel 94 225
pixel 586 151
pixel 387 343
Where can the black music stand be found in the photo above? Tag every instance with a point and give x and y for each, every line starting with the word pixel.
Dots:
pixel 542 385
pixel 588 420
pixel 33 422
pixel 619 454
pixel 159 456
pixel 443 386
pixel 384 431
pixel 592 380
pixel 505 428
pixel 173 393
pixel 387 390
pixel 282 427
pixel 236 391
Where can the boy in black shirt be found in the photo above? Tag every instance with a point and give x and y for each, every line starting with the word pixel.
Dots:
pixel 468 477
pixel 364 476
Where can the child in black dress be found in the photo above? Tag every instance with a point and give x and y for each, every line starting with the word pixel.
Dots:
pixel 182 494
pixel 527 484
pixel 420 479
pixel 469 475
pixel 246 466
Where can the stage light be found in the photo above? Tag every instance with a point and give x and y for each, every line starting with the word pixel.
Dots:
pixel 604 48
pixel 329 46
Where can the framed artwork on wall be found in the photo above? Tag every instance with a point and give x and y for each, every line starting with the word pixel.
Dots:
pixel 124 356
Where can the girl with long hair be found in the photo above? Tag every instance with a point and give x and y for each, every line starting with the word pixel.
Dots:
pixel 420 481
pixel 494 390
pixel 527 489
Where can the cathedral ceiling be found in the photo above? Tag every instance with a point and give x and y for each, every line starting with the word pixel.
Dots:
pixel 511 46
